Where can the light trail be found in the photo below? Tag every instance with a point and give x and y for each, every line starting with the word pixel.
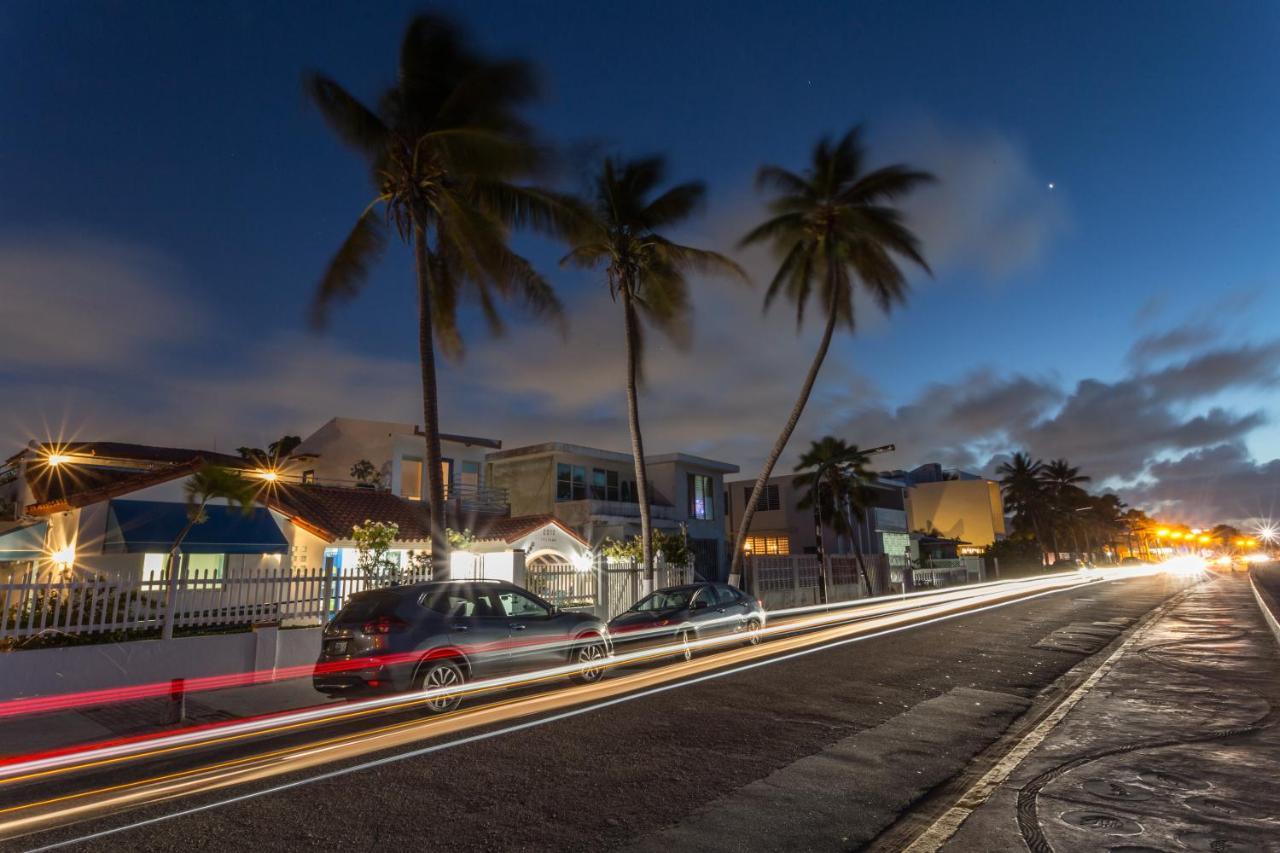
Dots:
pixel 313 755
pixel 26 768
pixel 133 692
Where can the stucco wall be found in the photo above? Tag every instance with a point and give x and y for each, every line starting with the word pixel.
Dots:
pixel 47 672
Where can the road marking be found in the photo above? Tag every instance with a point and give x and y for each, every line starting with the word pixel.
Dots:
pixel 946 826
pixel 563 715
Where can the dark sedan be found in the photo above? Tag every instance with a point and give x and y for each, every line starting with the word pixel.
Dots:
pixel 686 613
pixel 435 635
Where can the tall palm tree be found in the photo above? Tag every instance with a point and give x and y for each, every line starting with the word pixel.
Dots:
pixel 209 483
pixel 646 274
pixel 1022 484
pixel 833 227
pixel 446 149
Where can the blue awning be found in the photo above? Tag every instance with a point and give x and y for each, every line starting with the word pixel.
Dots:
pixel 152 526
pixel 24 543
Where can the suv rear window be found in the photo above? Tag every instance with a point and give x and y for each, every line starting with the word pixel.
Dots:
pixel 368 605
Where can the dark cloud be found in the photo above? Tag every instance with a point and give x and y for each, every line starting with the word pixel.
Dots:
pixel 1211 484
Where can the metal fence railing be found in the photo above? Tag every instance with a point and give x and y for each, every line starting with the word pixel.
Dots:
pixel 607 588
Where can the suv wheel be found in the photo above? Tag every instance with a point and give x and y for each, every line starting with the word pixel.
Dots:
pixel 437 675
pixel 591 657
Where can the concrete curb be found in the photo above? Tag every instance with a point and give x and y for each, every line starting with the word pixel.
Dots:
pixel 1267 613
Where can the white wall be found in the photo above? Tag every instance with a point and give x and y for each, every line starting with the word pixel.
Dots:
pixel 47 672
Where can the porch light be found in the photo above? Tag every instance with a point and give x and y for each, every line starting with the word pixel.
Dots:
pixel 582 562
pixel 268 476
pixel 63 557
pixel 55 459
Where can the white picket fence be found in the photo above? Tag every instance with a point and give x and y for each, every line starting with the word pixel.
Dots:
pixel 202 599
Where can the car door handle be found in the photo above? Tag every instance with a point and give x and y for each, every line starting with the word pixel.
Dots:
pixel 721 610
pixel 462 627
pixel 515 627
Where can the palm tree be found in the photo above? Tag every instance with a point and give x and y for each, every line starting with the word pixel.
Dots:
pixel 646 273
pixel 1022 484
pixel 833 227
pixel 445 148
pixel 1066 497
pixel 208 483
pixel 843 494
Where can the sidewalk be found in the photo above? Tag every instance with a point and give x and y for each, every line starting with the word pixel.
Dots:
pixel 39 732
pixel 1175 748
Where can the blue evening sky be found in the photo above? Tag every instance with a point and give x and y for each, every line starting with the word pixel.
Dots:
pixel 182 129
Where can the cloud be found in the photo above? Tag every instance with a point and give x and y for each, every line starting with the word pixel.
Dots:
pixel 1211 484
pixel 1175 341
pixel 74 301
pixel 990 210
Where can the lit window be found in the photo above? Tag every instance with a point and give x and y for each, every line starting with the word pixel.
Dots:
pixel 411 478
pixel 776 545
pixel 469 474
pixel 205 571
pixel 701 499
pixel 153 567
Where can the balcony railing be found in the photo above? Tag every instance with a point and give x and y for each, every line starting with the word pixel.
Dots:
pixel 469 497
pixel 624 509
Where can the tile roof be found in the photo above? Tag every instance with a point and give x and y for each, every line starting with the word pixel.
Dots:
pixel 145 453
pixel 63 488
pixel 514 529
pixel 331 511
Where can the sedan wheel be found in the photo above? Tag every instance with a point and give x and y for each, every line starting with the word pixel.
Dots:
pixel 441 675
pixel 591 658
pixel 753 631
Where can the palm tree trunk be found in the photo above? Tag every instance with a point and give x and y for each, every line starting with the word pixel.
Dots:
pixel 637 443
pixel 171 582
pixel 430 411
pixel 735 570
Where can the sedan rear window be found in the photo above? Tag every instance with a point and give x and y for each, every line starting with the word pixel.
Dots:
pixel 666 599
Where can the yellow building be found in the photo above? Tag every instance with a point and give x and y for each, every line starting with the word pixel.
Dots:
pixel 970 510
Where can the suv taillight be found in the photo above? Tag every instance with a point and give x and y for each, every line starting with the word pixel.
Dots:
pixel 383 625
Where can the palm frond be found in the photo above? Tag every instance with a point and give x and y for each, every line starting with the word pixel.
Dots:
pixel 673 206
pixel 542 210
pixel 782 180
pixel 786 226
pixel 704 261
pixel 886 184
pixel 350 266
pixel 355 124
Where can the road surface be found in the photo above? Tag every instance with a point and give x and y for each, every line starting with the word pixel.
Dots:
pixel 630 773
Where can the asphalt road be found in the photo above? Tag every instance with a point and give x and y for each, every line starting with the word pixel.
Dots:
pixel 615 776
